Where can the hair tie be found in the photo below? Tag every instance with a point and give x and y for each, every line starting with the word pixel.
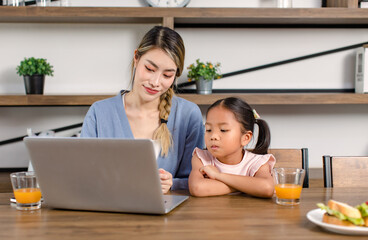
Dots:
pixel 255 114
pixel 163 121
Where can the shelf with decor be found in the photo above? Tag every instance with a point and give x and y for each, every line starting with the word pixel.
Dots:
pixel 251 98
pixel 194 16
pixel 339 15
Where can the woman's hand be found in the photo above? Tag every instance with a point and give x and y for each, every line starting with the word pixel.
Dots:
pixel 166 180
pixel 209 171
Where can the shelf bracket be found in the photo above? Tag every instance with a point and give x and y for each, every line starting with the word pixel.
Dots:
pixel 168 22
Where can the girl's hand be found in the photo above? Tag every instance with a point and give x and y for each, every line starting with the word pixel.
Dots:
pixel 166 180
pixel 209 171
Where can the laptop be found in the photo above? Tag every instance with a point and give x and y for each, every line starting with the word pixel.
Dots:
pixel 95 174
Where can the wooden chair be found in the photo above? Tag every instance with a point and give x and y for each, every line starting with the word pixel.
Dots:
pixel 345 171
pixel 297 158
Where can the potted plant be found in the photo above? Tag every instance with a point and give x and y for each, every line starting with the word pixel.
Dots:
pixel 204 74
pixel 34 71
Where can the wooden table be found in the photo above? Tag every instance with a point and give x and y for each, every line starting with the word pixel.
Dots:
pixel 224 217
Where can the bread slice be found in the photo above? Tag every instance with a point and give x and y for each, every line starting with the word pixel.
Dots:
pixel 344 208
pixel 334 220
pixel 366 221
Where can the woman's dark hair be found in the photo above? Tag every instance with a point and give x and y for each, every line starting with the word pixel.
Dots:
pixel 166 39
pixel 244 115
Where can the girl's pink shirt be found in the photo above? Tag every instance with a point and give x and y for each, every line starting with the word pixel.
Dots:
pixel 248 166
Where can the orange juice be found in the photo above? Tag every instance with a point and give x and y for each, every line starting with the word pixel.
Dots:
pixel 288 191
pixel 27 195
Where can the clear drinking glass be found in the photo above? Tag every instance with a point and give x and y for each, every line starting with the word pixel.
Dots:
pixel 26 190
pixel 288 185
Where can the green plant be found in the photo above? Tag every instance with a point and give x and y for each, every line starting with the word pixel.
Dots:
pixel 34 66
pixel 208 71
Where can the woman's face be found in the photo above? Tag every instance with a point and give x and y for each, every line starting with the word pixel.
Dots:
pixel 155 73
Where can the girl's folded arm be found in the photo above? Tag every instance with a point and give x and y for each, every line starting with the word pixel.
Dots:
pixel 200 186
pixel 261 185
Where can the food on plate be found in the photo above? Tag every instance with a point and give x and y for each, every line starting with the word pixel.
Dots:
pixel 339 213
pixel 363 208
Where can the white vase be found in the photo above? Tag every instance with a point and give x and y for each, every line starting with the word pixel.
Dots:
pixel 204 86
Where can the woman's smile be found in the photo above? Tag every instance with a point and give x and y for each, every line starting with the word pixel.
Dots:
pixel 150 90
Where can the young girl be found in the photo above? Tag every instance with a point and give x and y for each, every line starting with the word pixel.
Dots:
pixel 226 166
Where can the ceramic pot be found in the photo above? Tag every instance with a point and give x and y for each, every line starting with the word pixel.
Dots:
pixel 34 84
pixel 204 86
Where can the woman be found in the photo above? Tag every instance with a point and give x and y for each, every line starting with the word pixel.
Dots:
pixel 150 109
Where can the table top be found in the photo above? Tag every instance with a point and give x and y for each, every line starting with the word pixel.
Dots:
pixel 224 217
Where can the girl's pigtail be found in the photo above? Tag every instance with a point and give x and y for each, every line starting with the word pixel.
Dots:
pixel 264 137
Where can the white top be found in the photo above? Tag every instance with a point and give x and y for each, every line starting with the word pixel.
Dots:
pixel 248 166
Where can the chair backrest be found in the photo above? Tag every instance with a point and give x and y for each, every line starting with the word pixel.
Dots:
pixel 297 158
pixel 345 171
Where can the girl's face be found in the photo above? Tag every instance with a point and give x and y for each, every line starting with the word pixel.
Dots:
pixel 224 138
pixel 155 73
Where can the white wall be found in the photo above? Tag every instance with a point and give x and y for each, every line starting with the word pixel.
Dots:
pixel 15 121
pixel 239 49
pixel 87 58
pixel 95 59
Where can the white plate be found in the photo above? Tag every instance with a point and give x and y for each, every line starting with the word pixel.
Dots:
pixel 316 215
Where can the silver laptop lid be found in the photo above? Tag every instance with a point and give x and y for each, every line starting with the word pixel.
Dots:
pixel 117 175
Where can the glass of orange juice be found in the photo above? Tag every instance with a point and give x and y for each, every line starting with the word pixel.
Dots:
pixel 288 185
pixel 26 190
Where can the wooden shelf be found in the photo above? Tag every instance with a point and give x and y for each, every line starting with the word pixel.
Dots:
pixel 253 99
pixel 50 100
pixel 283 98
pixel 271 16
pixel 193 16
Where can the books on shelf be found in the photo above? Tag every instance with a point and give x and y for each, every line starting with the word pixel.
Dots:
pixel 361 70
